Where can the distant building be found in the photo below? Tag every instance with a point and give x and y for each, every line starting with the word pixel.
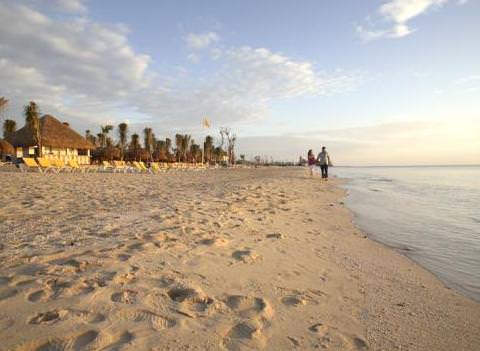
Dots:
pixel 58 140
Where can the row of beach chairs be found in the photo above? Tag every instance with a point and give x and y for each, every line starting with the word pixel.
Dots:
pixel 44 165
pixel 155 167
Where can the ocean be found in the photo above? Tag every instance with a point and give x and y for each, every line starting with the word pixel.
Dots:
pixel 429 213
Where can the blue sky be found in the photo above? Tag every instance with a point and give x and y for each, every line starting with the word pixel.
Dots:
pixel 378 82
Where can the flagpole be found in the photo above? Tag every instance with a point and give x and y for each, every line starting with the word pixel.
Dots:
pixel 206 125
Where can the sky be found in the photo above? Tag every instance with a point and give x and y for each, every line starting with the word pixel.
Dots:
pixel 378 82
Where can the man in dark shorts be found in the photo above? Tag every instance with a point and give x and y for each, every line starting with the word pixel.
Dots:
pixel 323 159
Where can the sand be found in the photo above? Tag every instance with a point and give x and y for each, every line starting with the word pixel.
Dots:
pixel 243 259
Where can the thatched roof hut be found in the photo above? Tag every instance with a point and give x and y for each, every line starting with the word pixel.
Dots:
pixel 6 149
pixel 53 133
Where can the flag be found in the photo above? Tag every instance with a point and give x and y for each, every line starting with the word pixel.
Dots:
pixel 206 123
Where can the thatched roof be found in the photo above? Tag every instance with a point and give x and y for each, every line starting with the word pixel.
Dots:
pixel 6 147
pixel 53 133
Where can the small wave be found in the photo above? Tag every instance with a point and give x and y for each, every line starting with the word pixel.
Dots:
pixel 476 220
pixel 375 190
pixel 389 180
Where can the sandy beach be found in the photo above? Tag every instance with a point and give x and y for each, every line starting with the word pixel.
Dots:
pixel 228 259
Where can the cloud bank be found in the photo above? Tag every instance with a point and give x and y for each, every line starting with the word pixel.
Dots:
pixel 89 73
pixel 403 143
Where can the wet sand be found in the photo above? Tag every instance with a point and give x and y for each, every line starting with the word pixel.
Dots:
pixel 243 259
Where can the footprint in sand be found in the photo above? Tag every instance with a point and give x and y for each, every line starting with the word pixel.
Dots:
pixel 275 236
pixel 5 280
pixel 7 293
pixel 251 333
pixel 249 307
pixel 247 335
pixel 214 242
pixel 48 317
pixel 246 256
pixel 123 257
pixel 126 296
pixel 153 320
pixel 24 283
pixel 70 265
pixel 84 341
pixel 88 340
pixel 330 337
pixel 191 299
pixel 36 296
pixel 294 300
pixel 51 317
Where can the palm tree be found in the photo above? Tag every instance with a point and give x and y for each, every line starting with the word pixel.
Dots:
pixel 134 144
pixel 101 139
pixel 122 134
pixel 105 130
pixel 160 150
pixel 32 119
pixel 218 153
pixel 179 143
pixel 148 140
pixel 91 138
pixel 195 152
pixel 3 103
pixel 134 141
pixel 168 146
pixel 208 148
pixel 9 127
pixel 185 145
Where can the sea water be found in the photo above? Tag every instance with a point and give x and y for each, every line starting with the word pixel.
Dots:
pixel 432 214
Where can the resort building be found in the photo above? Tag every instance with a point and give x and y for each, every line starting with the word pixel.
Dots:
pixel 6 150
pixel 58 140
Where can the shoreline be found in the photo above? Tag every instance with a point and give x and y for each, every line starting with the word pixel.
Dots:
pixel 222 259
pixel 404 249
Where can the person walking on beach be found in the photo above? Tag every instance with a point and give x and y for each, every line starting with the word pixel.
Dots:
pixel 323 159
pixel 311 161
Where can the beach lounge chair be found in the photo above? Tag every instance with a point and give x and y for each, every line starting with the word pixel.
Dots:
pixel 120 166
pixel 74 166
pixel 30 163
pixel 46 165
pixel 140 167
pixel 156 167
pixel 144 167
pixel 107 166
pixel 137 167
pixel 59 165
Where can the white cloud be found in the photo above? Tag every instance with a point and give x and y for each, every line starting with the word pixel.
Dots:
pixel 469 79
pixel 398 13
pixel 88 72
pixel 71 6
pixel 193 58
pixel 198 41
pixel 401 11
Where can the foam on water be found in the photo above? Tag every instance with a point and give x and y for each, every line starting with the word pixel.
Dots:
pixel 432 214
